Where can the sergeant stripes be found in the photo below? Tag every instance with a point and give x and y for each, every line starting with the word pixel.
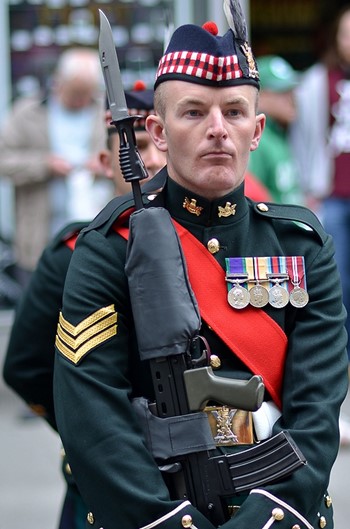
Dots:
pixel 74 342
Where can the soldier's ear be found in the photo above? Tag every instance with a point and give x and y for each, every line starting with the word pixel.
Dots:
pixel 105 157
pixel 155 128
pixel 259 128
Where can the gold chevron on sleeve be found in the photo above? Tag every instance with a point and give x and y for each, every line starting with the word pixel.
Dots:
pixel 74 342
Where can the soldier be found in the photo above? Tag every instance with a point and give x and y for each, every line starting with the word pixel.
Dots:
pixel 292 333
pixel 28 367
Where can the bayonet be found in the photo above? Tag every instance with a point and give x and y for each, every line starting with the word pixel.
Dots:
pixel 131 163
pixel 111 71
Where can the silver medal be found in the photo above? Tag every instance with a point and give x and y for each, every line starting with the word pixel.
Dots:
pixel 298 297
pixel 259 296
pixel 278 297
pixel 238 297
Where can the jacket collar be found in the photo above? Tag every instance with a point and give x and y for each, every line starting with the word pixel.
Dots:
pixel 186 206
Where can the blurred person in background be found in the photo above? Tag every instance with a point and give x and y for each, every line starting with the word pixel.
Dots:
pixel 49 149
pixel 321 139
pixel 273 163
pixel 320 134
pixel 29 361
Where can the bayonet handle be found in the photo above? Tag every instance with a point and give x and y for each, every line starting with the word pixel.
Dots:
pixel 131 164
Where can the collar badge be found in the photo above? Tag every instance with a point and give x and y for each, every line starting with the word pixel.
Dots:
pixel 228 210
pixel 191 206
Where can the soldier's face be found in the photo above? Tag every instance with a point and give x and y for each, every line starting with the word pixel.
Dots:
pixel 153 159
pixel 207 134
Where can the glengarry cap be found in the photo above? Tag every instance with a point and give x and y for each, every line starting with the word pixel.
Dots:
pixel 199 55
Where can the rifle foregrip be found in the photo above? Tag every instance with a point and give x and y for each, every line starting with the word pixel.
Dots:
pixel 203 386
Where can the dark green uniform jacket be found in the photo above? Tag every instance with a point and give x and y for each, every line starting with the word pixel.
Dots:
pixel 29 361
pixel 98 372
pixel 28 367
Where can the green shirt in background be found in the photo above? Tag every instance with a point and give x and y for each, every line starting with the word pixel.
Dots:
pixel 273 165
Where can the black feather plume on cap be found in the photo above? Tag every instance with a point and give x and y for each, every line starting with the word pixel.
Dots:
pixel 235 19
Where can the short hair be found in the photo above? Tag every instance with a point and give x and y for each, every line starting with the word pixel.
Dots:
pixel 160 100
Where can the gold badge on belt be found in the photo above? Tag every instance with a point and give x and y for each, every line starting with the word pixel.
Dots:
pixel 230 426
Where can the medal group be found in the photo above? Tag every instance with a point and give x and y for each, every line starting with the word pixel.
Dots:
pixel 283 276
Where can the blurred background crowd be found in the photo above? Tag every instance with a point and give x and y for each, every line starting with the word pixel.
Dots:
pixel 52 107
pixel 52 101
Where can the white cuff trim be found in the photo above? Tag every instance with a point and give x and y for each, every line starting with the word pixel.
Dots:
pixel 282 504
pixel 167 516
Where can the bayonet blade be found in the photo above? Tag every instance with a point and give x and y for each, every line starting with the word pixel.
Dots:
pixel 111 70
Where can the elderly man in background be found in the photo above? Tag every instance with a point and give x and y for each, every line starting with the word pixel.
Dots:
pixel 49 149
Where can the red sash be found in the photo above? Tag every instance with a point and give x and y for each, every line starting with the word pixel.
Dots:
pixel 250 333
pixel 71 242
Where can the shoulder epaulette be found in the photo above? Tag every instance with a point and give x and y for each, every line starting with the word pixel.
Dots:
pixel 294 213
pixel 105 219
pixel 68 231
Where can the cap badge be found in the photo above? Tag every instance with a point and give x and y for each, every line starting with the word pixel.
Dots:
pixel 228 210
pixel 247 51
pixel 191 206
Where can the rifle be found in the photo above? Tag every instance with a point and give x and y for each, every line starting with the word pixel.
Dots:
pixel 167 323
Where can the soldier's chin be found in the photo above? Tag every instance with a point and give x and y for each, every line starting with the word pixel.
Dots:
pixel 221 178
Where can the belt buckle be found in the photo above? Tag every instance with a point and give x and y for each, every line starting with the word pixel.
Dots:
pixel 229 426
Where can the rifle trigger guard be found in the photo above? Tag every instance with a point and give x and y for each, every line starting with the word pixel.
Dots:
pixel 204 359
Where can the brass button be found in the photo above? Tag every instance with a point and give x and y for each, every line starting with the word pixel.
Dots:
pixel 215 361
pixel 323 522
pixel 296 526
pixel 278 514
pixel 90 518
pixel 328 502
pixel 186 521
pixel 262 207
pixel 213 246
pixel 67 469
